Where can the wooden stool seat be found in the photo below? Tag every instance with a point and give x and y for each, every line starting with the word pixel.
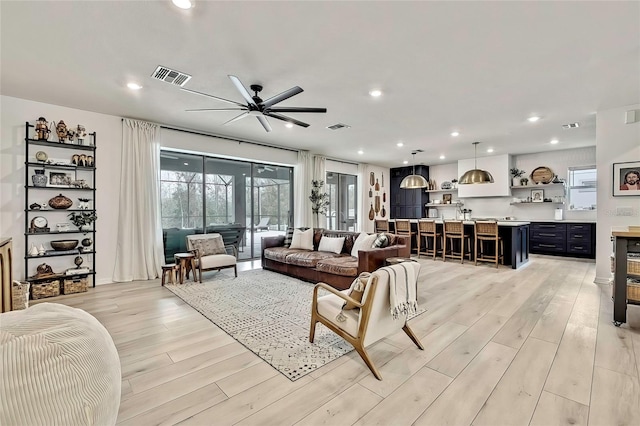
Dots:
pixel 454 230
pixel 403 227
pixel 169 270
pixel 427 230
pixel 487 231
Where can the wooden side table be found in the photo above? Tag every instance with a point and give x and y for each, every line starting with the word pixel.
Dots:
pixel 186 262
pixel 170 271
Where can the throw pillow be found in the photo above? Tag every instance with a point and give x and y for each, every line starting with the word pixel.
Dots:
pixel 356 291
pixel 288 237
pixel 302 239
pixel 363 242
pixel 381 241
pixel 331 244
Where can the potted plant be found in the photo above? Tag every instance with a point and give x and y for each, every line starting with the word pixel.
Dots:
pixel 516 174
pixel 319 200
pixel 83 220
pixel 524 181
pixel 454 183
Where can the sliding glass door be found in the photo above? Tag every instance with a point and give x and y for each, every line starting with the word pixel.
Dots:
pixel 237 199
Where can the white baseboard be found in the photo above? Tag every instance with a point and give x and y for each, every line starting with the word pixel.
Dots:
pixel 602 280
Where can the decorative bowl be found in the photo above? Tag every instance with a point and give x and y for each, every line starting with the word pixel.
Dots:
pixel 60 202
pixel 64 244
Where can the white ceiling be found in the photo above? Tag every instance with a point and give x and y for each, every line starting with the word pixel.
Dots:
pixel 478 67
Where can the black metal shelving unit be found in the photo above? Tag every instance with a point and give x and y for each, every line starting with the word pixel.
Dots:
pixel 30 189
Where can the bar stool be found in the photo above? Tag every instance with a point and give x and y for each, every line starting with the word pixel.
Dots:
pixel 454 230
pixel 381 225
pixel 427 230
pixel 403 227
pixel 487 231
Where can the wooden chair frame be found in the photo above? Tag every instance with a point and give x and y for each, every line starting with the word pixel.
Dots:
pixel 365 313
pixel 381 225
pixel 403 227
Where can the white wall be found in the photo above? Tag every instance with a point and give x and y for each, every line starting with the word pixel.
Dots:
pixel 558 161
pixel 616 142
pixel 379 172
pixel 15 112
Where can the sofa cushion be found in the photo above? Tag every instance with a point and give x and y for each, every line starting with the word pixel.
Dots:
pixel 217 261
pixel 343 265
pixel 280 254
pixel 330 306
pixel 302 239
pixel 356 291
pixel 308 259
pixel 381 241
pixel 207 244
pixel 288 237
pixel 363 242
pixel 331 244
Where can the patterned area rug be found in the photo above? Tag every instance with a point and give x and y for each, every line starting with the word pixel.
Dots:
pixel 269 314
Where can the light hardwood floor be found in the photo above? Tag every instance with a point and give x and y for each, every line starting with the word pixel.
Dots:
pixel 502 347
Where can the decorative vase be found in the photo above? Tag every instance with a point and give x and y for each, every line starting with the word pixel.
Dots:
pixel 88 227
pixel 515 181
pixel 60 202
pixel 39 179
pixel 33 250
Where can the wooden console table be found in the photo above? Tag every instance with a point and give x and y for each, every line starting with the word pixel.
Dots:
pixel 624 241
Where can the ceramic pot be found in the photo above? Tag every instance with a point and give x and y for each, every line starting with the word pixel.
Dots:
pixel 60 202
pixel 39 179
pixel 515 181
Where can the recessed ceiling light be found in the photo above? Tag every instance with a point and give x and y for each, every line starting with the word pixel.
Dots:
pixel 361 152
pixel 288 125
pixel 442 157
pixel 405 162
pixel 134 86
pixel 454 134
pixel 183 4
pixel 553 141
pixel 490 150
pixel 533 119
pixel 185 163
pixel 376 93
pixel 400 144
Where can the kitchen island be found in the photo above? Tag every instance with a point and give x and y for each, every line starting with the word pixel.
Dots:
pixel 514 233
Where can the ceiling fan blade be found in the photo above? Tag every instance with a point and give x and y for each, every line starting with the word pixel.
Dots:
pixel 214 97
pixel 281 97
pixel 287 119
pixel 296 109
pixel 264 123
pixel 239 117
pixel 215 109
pixel 243 90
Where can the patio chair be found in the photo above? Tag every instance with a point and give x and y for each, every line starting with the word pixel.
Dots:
pixel 263 225
pixel 211 253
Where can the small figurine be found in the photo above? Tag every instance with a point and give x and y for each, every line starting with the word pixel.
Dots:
pixel 71 134
pixel 61 130
pixel 81 133
pixel 42 129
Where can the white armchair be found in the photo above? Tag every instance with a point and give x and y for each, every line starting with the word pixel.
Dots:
pixel 211 253
pixel 372 319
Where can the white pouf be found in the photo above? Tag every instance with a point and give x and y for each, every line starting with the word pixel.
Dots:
pixel 59 366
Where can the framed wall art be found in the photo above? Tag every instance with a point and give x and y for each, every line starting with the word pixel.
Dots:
pixel 537 195
pixel 60 179
pixel 626 179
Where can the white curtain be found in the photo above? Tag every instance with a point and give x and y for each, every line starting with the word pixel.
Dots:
pixel 139 251
pixel 320 174
pixel 303 175
pixel 363 218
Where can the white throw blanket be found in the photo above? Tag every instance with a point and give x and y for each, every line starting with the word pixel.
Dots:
pixel 403 289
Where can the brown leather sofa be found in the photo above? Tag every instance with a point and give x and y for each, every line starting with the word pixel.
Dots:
pixel 337 270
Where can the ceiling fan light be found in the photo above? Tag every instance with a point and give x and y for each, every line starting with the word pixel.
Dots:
pixel 183 4
pixel 413 182
pixel 475 176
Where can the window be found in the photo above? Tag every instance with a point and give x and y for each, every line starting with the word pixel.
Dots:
pixel 342 190
pixel 581 189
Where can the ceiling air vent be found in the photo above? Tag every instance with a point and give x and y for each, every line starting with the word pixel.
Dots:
pixel 571 125
pixel 338 126
pixel 170 76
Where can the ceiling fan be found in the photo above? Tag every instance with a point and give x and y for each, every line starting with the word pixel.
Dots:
pixel 257 107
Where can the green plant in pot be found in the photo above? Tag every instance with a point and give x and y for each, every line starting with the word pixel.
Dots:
pixel 319 200
pixel 524 181
pixel 83 220
pixel 516 174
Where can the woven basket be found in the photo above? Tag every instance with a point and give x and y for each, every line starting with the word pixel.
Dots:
pixel 633 265
pixel 20 295
pixel 75 285
pixel 633 290
pixel 45 289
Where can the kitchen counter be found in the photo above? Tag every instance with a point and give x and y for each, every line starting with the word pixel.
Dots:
pixel 563 221
pixel 471 222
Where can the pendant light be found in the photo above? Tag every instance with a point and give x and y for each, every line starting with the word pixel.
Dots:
pixel 476 175
pixel 413 181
